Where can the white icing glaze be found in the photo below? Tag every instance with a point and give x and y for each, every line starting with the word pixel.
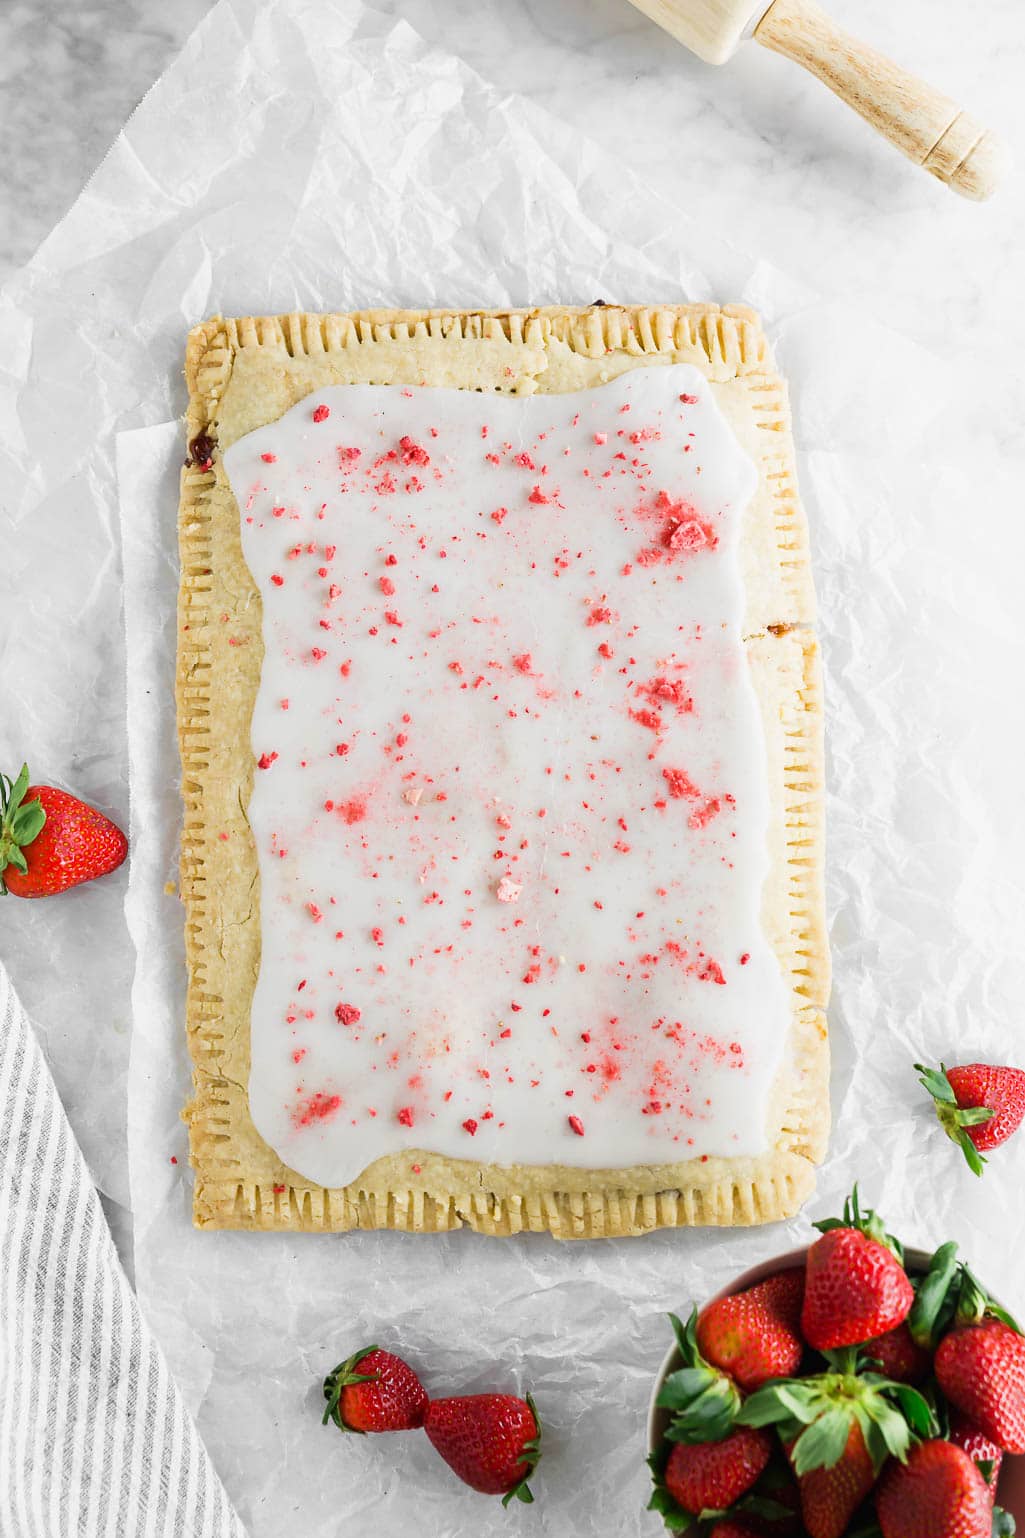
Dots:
pixel 512 824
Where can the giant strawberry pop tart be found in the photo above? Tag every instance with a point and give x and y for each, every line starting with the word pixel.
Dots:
pixel 502 761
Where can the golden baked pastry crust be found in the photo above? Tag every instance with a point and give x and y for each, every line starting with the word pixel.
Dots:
pixel 242 374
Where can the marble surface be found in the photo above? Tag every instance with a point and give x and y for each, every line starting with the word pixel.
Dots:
pixel 759 145
pixel 761 149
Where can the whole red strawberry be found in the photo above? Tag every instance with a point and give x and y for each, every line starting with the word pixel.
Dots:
pixel 937 1493
pixel 737 1527
pixel 855 1286
pixel 838 1428
pixel 374 1391
pixel 710 1476
pixel 898 1357
pixel 979 1105
pixel 49 840
pixel 980 1449
pixel 981 1370
pixel 492 1441
pixel 755 1335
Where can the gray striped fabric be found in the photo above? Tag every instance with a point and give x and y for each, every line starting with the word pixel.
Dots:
pixel 94 1437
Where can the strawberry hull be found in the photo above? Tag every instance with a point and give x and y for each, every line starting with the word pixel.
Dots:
pixel 1011 1485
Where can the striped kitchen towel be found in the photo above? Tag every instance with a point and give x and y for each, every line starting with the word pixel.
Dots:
pixel 95 1441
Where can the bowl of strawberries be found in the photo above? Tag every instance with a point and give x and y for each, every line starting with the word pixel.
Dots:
pixel 848 1390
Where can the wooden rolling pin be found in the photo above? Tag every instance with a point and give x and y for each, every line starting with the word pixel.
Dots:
pixel 923 123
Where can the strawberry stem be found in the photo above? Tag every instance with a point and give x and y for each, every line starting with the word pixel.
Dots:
pixel 868 1223
pixel 974 1304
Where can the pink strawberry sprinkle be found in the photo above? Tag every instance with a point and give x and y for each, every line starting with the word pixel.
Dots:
pixel 680 784
pixel 318 1107
pixel 412 453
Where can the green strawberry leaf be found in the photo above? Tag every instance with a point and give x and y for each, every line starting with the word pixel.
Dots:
pixel 780 1403
pixel 344 1376
pixel 686 1337
pixel 822 1445
pixel 975 1304
pixel 708 1418
pixel 675 1518
pixel 21 823
pixel 996 1310
pixel 915 1409
pixel 27 822
pixel 868 1222
pixel 682 1387
pixel 1004 1525
pixel 936 1082
pixel 975 1160
pixel 893 1431
pixel 16 790
pixel 875 1442
pixel 935 1299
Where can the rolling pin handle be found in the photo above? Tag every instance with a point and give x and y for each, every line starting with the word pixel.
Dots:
pixel 921 122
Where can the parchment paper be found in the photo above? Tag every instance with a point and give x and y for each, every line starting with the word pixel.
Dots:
pixel 305 153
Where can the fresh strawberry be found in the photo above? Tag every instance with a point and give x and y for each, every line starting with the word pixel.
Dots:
pixel 737 1527
pixel 838 1428
pixel 855 1285
pixel 830 1496
pixel 898 1357
pixel 50 840
pixel 374 1391
pixel 981 1370
pixel 937 1493
pixel 492 1441
pixel 711 1476
pixel 983 1452
pixel 755 1335
pixel 979 1105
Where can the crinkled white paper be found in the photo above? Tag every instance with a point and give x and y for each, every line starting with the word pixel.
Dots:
pixel 308 153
